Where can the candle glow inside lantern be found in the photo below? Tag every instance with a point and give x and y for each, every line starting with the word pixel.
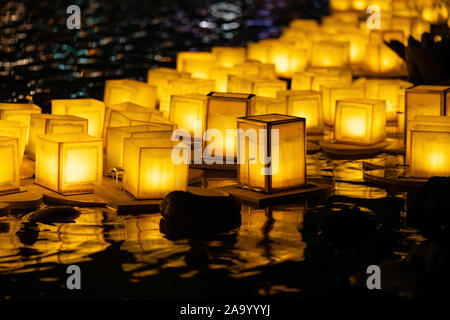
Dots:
pixel 288 58
pixel 332 93
pixel 19 112
pixel 388 90
pixel 127 90
pixel 50 123
pixel 10 168
pixel 330 54
pixel 313 80
pixel 222 111
pixel 198 64
pixel 360 121
pixel 159 77
pixel 69 163
pixel 260 51
pixel 287 166
pixel 304 104
pixel 229 56
pixel 149 170
pixel 265 105
pixel 257 86
pixel 188 111
pixel 15 129
pixel 91 109
pixel 115 139
pixel 380 59
pixel 430 151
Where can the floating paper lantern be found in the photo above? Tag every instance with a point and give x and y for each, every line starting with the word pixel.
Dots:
pixel 304 104
pixel 288 59
pixel 380 59
pixel 10 168
pixel 91 109
pixel 341 5
pixel 159 77
pixel 260 51
pixel 149 170
pixel 330 54
pixel 262 70
pixel 69 163
pixel 50 123
pixel 127 90
pixel 229 56
pixel 16 129
pixel 115 139
pixel 388 90
pixel 19 112
pixel 357 46
pixel 332 93
pixel 360 121
pixel 312 81
pixel 265 105
pixel 222 111
pixel 188 111
pixel 197 64
pixel 258 86
pixel 430 151
pixel 288 160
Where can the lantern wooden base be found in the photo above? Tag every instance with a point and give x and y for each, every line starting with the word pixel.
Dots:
pixel 26 200
pixel 380 163
pixel 314 132
pixel 340 149
pixel 259 199
pixel 312 147
pixel 394 180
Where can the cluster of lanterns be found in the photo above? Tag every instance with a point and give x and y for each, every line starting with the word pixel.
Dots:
pixel 240 88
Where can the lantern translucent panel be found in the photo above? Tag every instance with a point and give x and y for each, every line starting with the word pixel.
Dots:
pixel 19 112
pixel 288 59
pixel 388 90
pixel 268 105
pixel 15 129
pixel 258 86
pixel 381 60
pixel 223 109
pixel 91 109
pixel 159 77
pixel 50 123
pixel 332 93
pixel 150 172
pixel 313 81
pixel 360 121
pixel 426 100
pixel 197 64
pixel 259 51
pixel 358 43
pixel 188 112
pixel 10 168
pixel 123 90
pixel 377 37
pixel 262 70
pixel 430 151
pixel 69 162
pixel 304 104
pixel 115 138
pixel 229 56
pixel 330 54
pixel 288 160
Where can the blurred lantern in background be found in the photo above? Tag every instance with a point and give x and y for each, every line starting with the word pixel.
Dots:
pixel 10 168
pixel 127 90
pixel 69 163
pixel 198 64
pixel 258 86
pixel 330 54
pixel 19 112
pixel 188 111
pixel 229 56
pixel 265 105
pixel 288 58
pixel 159 78
pixel 287 166
pixel 16 129
pixel 50 123
pixel 91 109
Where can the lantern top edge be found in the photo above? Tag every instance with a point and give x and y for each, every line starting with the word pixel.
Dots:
pixel 11 123
pixel 429 88
pixel 145 143
pixel 272 118
pixel 362 101
pixel 230 95
pixel 68 138
pixel 47 116
pixel 7 106
pixel 440 128
pixel 6 138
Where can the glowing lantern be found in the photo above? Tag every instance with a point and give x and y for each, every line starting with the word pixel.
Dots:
pixel 69 163
pixel 262 70
pixel 222 111
pixel 435 14
pixel 332 93
pixel 159 77
pixel 91 109
pixel 388 90
pixel 50 123
pixel 307 24
pixel 19 112
pixel 198 64
pixel 330 54
pixel 188 112
pixel 419 27
pixel 258 86
pixel 127 90
pixel 116 136
pixel 265 105
pixel 381 36
pixel 341 5
pixel 281 172
pixel 430 151
pixel 358 42
pixel 229 56
pixel 10 168
pixel 304 104
pixel 260 51
pixel 15 129
pixel 288 59
pixel 360 121
pixel 312 81
pixel 150 172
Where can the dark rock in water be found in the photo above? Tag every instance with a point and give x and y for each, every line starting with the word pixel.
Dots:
pixel 52 214
pixel 187 215
pixel 429 207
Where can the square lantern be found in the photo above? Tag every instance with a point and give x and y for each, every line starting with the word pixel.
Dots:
pixel 312 81
pixel 222 111
pixel 50 123
pixel 260 51
pixel 257 86
pixel 360 121
pixel 19 112
pixel 357 45
pixel 159 77
pixel 430 151
pixel 380 59
pixel 69 163
pixel 388 90
pixel 330 54
pixel 116 136
pixel 304 104
pixel 288 58
pixel 10 168
pixel 287 166
pixel 16 129
pixel 332 93
pixel 123 90
pixel 150 172
pixel 261 70
pixel 426 100
pixel 197 64
pixel 229 56
pixel 91 109
pixel 265 105
pixel 188 111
